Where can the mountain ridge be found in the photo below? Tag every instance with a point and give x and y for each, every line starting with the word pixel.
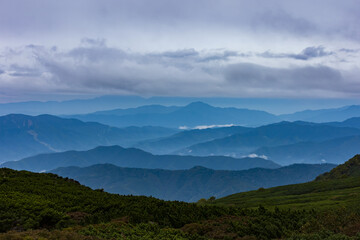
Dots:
pixel 191 115
pixel 132 157
pixel 23 135
pixel 187 185
pixel 277 134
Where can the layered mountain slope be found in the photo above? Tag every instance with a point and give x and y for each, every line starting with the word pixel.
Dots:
pixel 185 139
pixel 23 135
pixel 272 135
pixel 324 115
pixel 331 151
pixel 353 122
pixel 131 157
pixel 188 185
pixel 338 189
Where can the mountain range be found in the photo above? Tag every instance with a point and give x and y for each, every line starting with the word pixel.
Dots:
pixel 23 135
pixel 183 139
pixel 133 158
pixel 324 115
pixel 191 115
pixel 331 151
pixel 188 185
pixel 273 135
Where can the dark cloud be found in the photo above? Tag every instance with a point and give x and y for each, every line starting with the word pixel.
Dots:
pixel 22 71
pixel 281 21
pixel 306 54
pixel 347 50
pixel 296 78
pixel 180 53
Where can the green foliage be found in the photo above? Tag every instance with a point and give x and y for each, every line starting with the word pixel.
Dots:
pixel 321 195
pixel 350 168
pixel 45 206
pixel 31 200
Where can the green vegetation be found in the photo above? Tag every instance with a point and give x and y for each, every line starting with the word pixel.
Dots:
pixel 31 200
pixel 340 188
pixel 46 206
pixel 350 168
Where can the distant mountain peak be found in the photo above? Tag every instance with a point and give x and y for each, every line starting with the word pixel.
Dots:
pixel 350 168
pixel 198 104
pixel 197 168
pixel 110 148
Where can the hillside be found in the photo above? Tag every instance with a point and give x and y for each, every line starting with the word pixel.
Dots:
pixel 350 168
pixel 23 135
pixel 338 189
pixel 330 151
pixel 191 115
pixel 33 200
pixel 188 185
pixel 167 145
pixel 272 135
pixel 45 206
pixel 134 158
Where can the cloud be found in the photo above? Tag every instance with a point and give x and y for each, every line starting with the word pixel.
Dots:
pixel 93 67
pixel 254 155
pixel 22 71
pixel 201 127
pixel 281 21
pixel 179 24
pixel 306 54
pixel 347 50
pixel 292 81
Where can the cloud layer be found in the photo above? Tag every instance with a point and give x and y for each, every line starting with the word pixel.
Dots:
pixel 94 68
pixel 254 48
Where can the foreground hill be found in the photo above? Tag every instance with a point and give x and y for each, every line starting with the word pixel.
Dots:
pixel 349 169
pixel 272 135
pixel 338 189
pixel 134 158
pixel 187 138
pixel 331 151
pixel 33 200
pixel 45 206
pixel 192 115
pixel 188 185
pixel 23 135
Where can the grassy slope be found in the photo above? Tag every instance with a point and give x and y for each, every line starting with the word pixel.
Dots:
pixel 339 188
pixel 318 195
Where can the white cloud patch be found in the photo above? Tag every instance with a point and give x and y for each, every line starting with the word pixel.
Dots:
pixel 254 155
pixel 201 127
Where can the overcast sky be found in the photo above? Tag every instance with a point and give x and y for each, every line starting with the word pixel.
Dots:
pixel 228 48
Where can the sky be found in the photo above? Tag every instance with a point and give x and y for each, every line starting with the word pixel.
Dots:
pixel 205 48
